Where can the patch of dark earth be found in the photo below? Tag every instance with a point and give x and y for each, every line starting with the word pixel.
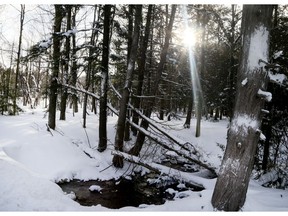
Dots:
pixel 133 191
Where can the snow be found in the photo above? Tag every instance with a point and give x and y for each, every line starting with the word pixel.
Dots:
pixel 258 47
pixel 45 44
pixel 264 94
pixel 32 160
pixel 277 54
pixel 70 32
pixel 244 122
pixel 244 82
pixel 277 78
pixel 95 188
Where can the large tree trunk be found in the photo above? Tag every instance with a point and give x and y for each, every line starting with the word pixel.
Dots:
pixel 104 81
pixel 55 69
pixel 232 183
pixel 118 161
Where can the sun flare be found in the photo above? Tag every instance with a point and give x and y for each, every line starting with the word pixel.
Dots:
pixel 189 37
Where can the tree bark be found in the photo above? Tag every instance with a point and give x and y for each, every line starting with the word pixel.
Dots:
pixel 189 112
pixel 89 70
pixel 118 161
pixel 142 63
pixel 66 66
pixel 55 69
pixel 74 65
pixel 104 81
pixel 22 16
pixel 232 183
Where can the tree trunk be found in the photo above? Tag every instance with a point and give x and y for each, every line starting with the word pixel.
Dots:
pixel 55 67
pixel 74 66
pixel 142 63
pixel 189 113
pixel 232 183
pixel 104 81
pixel 22 15
pixel 89 70
pixel 66 67
pixel 118 161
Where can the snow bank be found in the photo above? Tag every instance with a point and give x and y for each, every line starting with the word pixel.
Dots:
pixel 22 190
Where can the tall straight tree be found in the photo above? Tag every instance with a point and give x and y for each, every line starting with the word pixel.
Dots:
pixel 142 63
pixel 64 95
pixel 22 16
pixel 243 134
pixel 55 67
pixel 117 160
pixel 89 68
pixel 104 81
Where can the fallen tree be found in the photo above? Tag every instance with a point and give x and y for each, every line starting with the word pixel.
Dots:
pixel 186 154
pixel 160 169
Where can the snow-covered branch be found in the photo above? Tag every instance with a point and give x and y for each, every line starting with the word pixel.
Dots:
pixel 267 96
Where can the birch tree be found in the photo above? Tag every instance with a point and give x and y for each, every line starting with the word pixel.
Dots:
pixel 243 134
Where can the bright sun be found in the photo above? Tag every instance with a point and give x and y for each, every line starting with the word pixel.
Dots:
pixel 188 37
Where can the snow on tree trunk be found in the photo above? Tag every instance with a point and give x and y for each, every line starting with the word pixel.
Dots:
pixel 232 183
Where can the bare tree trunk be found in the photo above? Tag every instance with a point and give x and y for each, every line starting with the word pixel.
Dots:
pixel 22 15
pixel 189 113
pixel 104 81
pixel 142 63
pixel 118 161
pixel 66 66
pixel 232 183
pixel 74 66
pixel 89 70
pixel 55 67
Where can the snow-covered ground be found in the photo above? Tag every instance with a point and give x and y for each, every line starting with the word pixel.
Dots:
pixel 32 160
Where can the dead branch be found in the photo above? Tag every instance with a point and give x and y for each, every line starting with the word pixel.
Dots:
pixel 166 146
pixel 157 168
pixel 149 134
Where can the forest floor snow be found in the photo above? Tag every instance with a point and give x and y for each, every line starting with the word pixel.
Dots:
pixel 32 160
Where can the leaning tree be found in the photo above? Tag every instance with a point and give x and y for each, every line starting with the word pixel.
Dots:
pixel 243 134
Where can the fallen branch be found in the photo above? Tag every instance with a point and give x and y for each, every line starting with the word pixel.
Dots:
pixel 182 154
pixel 149 134
pixel 157 168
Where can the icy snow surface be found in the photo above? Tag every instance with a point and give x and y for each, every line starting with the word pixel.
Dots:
pixel 31 160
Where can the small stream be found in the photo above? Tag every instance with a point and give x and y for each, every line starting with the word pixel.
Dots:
pixel 115 194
